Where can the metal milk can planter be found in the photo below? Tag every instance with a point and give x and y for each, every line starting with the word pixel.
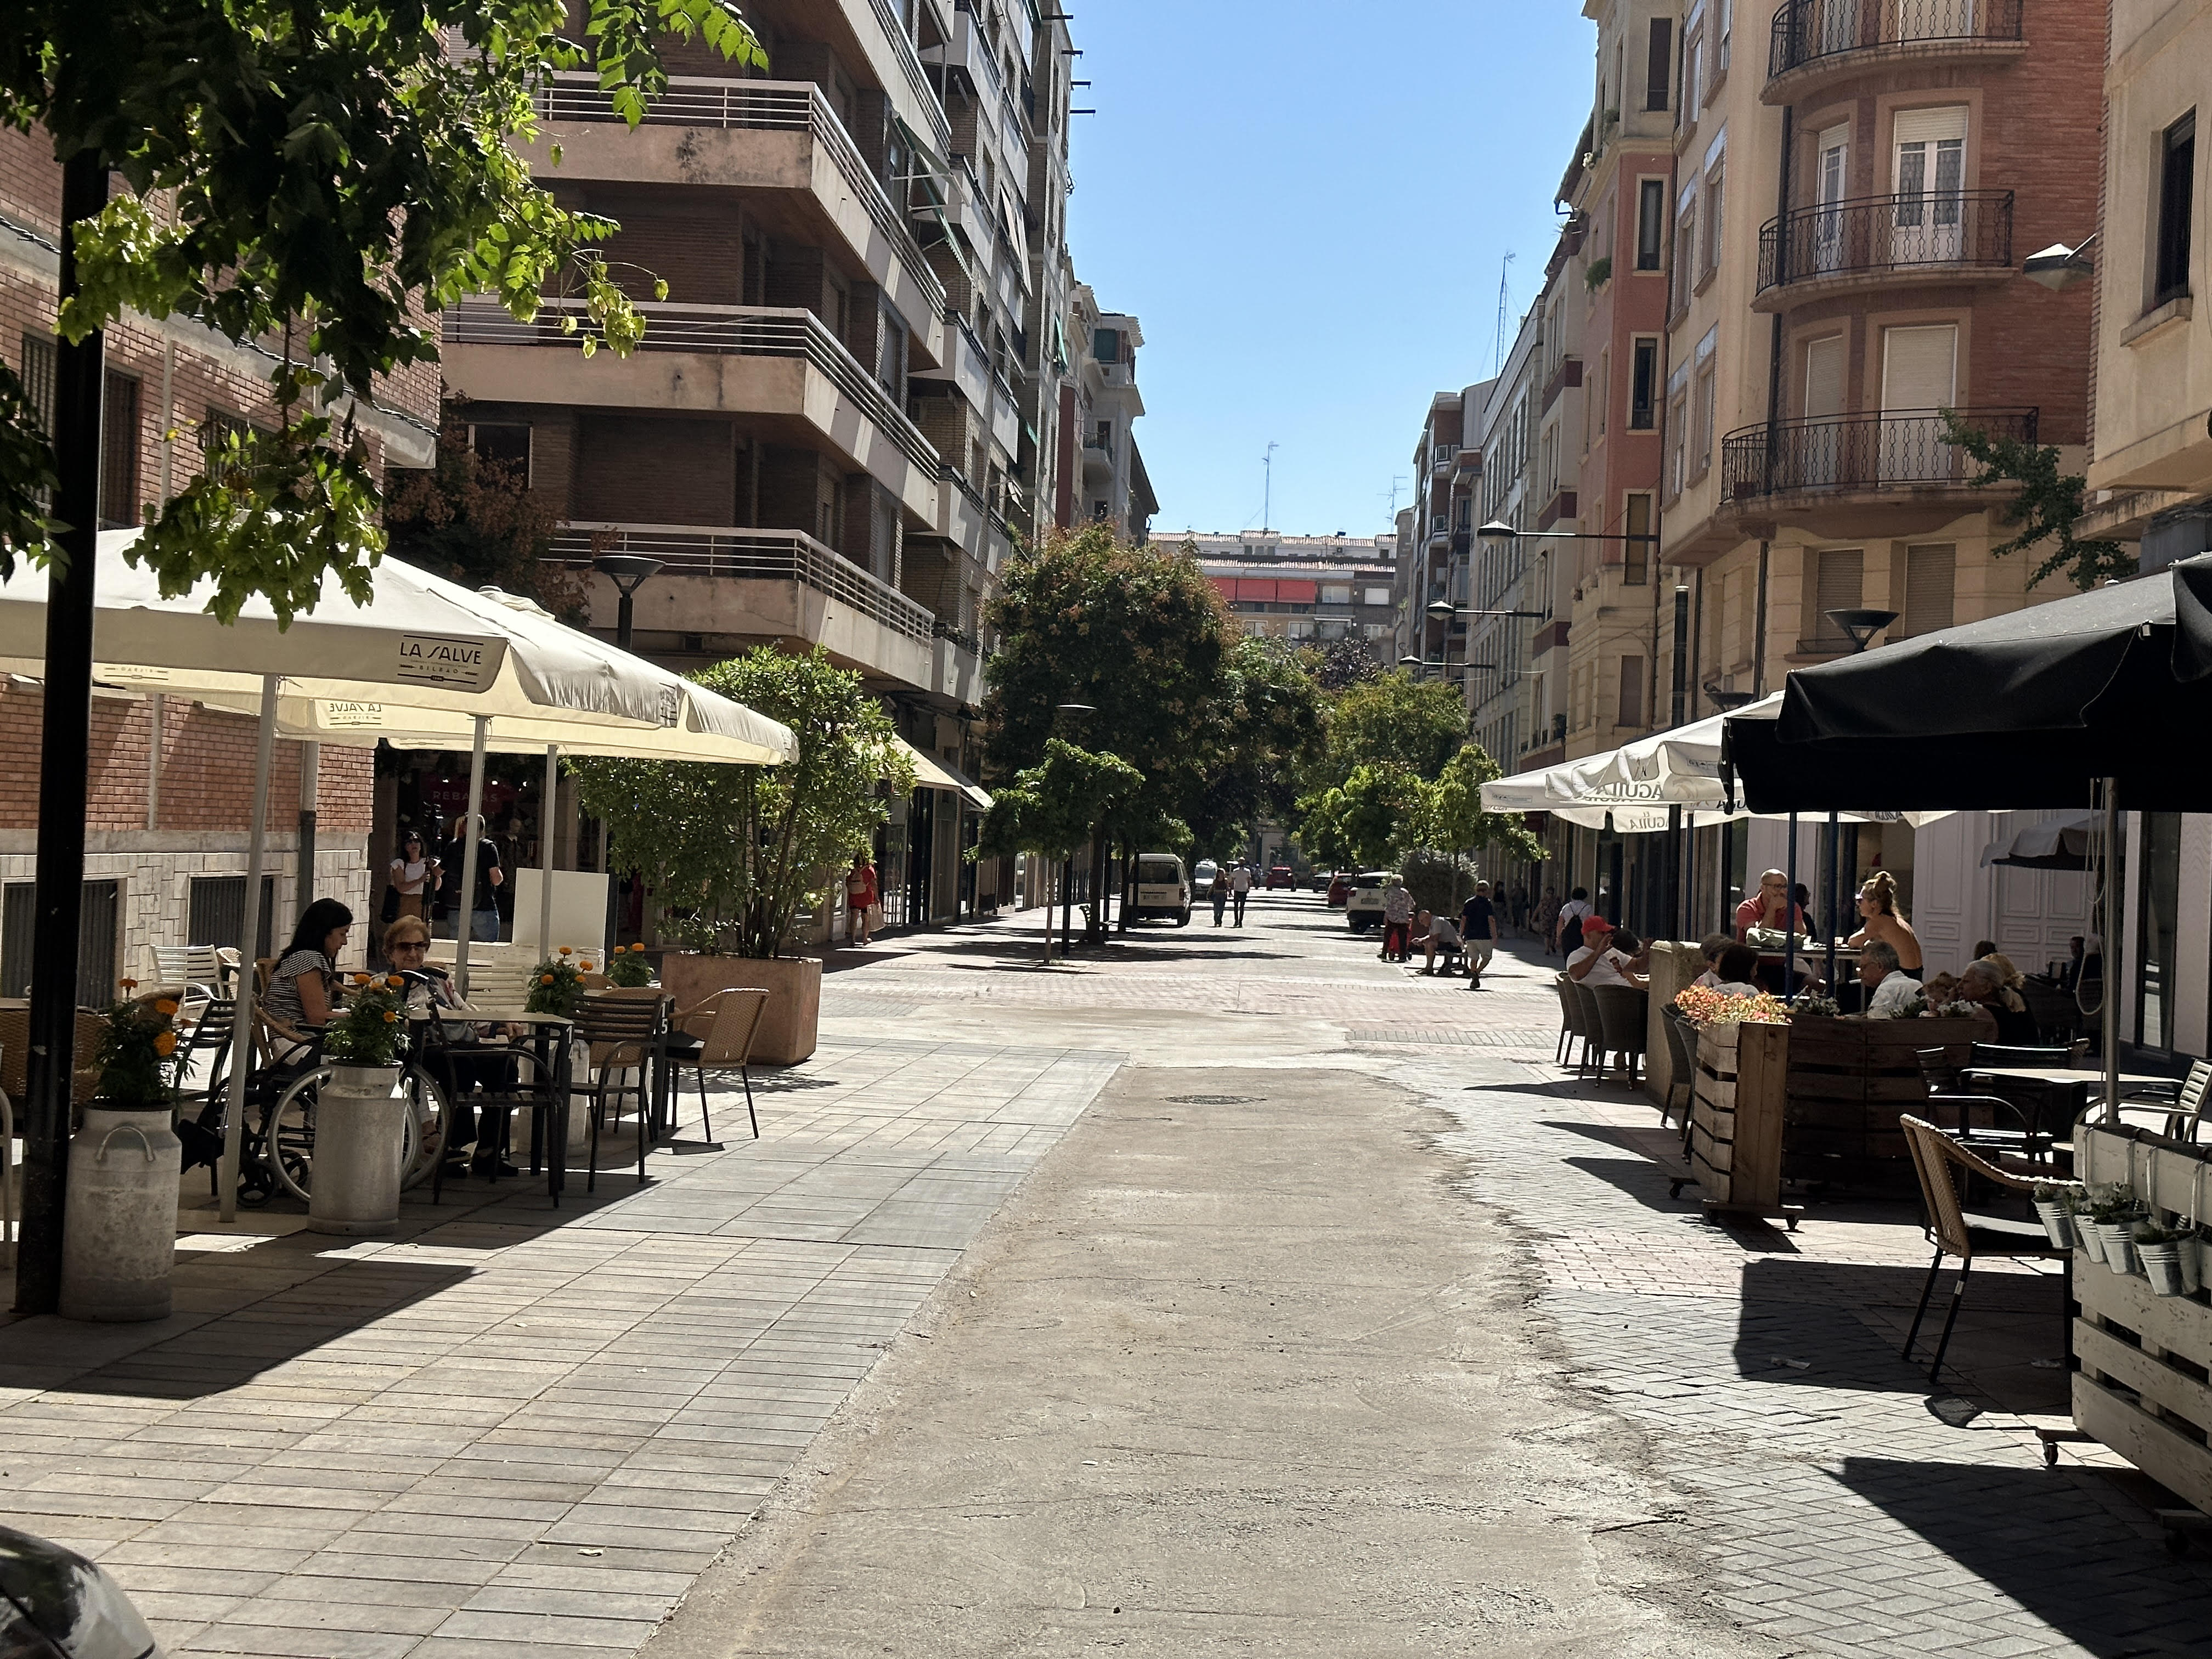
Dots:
pixel 359 1139
pixel 119 1235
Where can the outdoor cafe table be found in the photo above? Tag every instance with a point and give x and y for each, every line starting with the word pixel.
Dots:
pixel 2038 1082
pixel 546 1031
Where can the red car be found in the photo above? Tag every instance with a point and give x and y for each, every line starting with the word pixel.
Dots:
pixel 1280 876
pixel 1339 889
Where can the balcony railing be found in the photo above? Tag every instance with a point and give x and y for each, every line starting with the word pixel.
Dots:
pixel 744 331
pixel 790 556
pixel 1805 30
pixel 1899 450
pixel 1887 233
pixel 759 106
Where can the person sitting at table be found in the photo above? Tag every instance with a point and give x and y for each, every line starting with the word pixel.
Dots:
pixel 1735 973
pixel 1941 989
pixel 1880 923
pixel 1770 907
pixel 407 943
pixel 1891 987
pixel 1600 961
pixel 303 986
pixel 1710 947
pixel 1984 983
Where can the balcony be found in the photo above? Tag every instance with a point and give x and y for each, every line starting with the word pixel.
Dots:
pixel 1563 504
pixel 760 584
pixel 1816 41
pixel 1099 455
pixel 751 360
pixel 1439 532
pixel 1883 242
pixel 1860 474
pixel 1566 375
pixel 802 147
pixel 1441 458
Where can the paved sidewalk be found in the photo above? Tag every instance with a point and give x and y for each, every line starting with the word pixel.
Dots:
pixel 515 1431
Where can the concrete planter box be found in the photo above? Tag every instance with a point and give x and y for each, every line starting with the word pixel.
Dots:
pixel 793 1016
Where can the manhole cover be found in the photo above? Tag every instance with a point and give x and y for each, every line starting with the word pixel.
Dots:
pixel 1212 1100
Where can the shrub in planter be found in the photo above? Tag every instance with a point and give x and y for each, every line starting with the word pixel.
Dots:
pixel 2158 1249
pixel 629 969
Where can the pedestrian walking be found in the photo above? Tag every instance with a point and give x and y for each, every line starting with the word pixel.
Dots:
pixel 1477 926
pixel 1572 914
pixel 483 904
pixel 1218 892
pixel 1397 921
pixel 862 900
pixel 1240 889
pixel 1547 916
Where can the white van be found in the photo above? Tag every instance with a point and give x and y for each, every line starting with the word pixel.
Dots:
pixel 1364 908
pixel 1159 891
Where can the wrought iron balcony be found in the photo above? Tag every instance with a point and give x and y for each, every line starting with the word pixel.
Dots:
pixel 1899 234
pixel 1809 31
pixel 1852 454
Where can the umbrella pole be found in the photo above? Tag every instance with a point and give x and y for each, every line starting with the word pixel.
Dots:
pixel 241 1031
pixel 472 831
pixel 2109 1021
pixel 545 849
pixel 1828 903
pixel 1789 920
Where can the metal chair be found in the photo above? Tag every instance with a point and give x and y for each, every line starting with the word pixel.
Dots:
pixel 725 1025
pixel 1570 1021
pixel 1623 1013
pixel 624 1033
pixel 1682 1049
pixel 1944 1077
pixel 1941 1162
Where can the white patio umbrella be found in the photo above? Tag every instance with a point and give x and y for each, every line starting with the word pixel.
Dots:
pixel 421 642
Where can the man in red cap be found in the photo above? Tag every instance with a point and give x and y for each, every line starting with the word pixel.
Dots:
pixel 1600 961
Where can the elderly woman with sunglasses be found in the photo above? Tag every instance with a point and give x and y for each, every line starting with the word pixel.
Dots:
pixel 407 944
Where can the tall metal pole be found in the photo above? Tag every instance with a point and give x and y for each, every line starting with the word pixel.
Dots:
pixel 1828 900
pixel 64 743
pixel 545 849
pixel 311 762
pixel 1789 915
pixel 2109 1023
pixel 241 1036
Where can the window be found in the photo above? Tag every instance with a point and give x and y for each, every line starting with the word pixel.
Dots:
pixel 1644 387
pixel 1604 397
pixel 504 446
pixel 1636 557
pixel 1711 252
pixel 119 453
pixel 2176 192
pixel 1686 250
pixel 96 929
pixel 1632 691
pixel 1658 66
pixel 1376 596
pixel 1838 575
pixel 1677 431
pixel 1694 74
pixel 1336 593
pixel 1726 10
pixel 1106 345
pixel 1702 416
pixel 1931 575
pixel 39 361
pixel 1651 222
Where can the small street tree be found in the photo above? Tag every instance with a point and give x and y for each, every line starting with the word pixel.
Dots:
pixel 1453 820
pixel 1052 808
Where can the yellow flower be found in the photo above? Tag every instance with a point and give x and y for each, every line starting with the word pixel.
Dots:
pixel 166 1006
pixel 545 979
pixel 165 1043
pixel 586 966
pixel 564 949
pixel 394 981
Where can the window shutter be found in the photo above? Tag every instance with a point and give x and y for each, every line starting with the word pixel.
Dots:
pixel 1930 576
pixel 1929 126
pixel 1823 377
pixel 1632 691
pixel 1919 368
pixel 1839 585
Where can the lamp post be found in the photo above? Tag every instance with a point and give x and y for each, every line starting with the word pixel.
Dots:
pixel 1072 711
pixel 628 572
pixel 1861 626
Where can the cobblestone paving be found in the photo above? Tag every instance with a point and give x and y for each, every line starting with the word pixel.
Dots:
pixel 1849 1511
pixel 515 1432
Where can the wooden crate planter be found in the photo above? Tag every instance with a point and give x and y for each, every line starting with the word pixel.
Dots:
pixel 1736 1119
pixel 2142 1388
pixel 1850 1079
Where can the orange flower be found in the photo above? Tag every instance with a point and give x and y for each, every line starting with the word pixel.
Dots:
pixel 564 949
pixel 394 982
pixel 390 1018
pixel 166 1006
pixel 545 979
pixel 586 966
pixel 165 1043
pixel 128 984
pixel 361 979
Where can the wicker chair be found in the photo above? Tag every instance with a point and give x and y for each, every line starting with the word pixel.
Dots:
pixel 1571 1021
pixel 1682 1048
pixel 1942 1164
pixel 1624 1016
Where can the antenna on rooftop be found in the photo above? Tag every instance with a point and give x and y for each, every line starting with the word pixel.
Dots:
pixel 1397 483
pixel 1267 498
pixel 1504 311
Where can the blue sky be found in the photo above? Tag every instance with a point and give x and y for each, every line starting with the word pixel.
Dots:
pixel 1306 206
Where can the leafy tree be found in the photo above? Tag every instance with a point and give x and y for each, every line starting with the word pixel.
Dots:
pixel 476 521
pixel 739 853
pixel 1263 727
pixel 318 177
pixel 1342 664
pixel 1416 724
pixel 1368 820
pixel 1052 807
pixel 2046 506
pixel 1136 634
pixel 1452 816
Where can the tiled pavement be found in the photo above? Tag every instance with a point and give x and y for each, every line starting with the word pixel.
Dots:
pixel 513 1431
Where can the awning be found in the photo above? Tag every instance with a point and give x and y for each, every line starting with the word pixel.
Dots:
pixel 2062 843
pixel 930 773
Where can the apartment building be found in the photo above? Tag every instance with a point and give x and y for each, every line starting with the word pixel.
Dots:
pixel 168 781
pixel 1102 479
pixel 1306 590
pixel 1435 534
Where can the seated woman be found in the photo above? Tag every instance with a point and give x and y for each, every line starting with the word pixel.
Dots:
pixel 1735 974
pixel 302 987
pixel 407 943
pixel 1711 946
pixel 1879 921
pixel 1984 983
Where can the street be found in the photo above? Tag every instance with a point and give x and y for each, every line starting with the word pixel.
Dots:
pixel 1233 1292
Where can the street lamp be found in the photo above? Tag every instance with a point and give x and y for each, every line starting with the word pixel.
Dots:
pixel 2059 267
pixel 1727 702
pixel 1498 531
pixel 1861 625
pixel 628 571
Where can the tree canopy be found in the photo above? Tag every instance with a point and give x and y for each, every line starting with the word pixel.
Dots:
pixel 1053 807
pixel 320 179
pixel 1416 724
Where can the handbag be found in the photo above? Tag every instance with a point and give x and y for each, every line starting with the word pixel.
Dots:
pixel 875 915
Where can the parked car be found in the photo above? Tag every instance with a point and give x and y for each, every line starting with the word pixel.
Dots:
pixel 1160 892
pixel 1339 889
pixel 1318 880
pixel 1280 876
pixel 1363 909
pixel 54 1604
pixel 1202 879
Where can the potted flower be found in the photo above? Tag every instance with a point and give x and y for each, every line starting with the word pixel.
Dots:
pixel 558 985
pixel 359 1123
pixel 1812 1004
pixel 2113 1213
pixel 2158 1249
pixel 630 971
pixel 2054 1204
pixel 739 858
pixel 119 1235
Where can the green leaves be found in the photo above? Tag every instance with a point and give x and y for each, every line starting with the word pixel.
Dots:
pixel 1053 807
pixel 2048 505
pixel 27 476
